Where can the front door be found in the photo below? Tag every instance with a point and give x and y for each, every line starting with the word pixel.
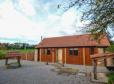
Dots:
pixel 59 53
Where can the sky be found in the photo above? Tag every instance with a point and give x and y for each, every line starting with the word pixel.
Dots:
pixel 28 20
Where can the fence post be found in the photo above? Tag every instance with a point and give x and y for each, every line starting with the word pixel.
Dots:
pixel 35 55
pixel 95 69
pixel 26 55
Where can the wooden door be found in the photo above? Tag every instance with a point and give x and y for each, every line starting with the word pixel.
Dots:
pixel 59 55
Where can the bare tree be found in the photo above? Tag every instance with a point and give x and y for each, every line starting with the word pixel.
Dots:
pixel 99 13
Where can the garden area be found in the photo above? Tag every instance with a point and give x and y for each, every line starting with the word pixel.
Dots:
pixel 23 48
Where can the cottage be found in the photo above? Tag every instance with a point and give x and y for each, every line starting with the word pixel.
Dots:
pixel 74 49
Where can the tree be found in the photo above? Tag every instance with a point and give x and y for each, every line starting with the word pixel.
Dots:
pixel 99 13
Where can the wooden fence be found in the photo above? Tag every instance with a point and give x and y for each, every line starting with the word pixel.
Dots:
pixel 28 56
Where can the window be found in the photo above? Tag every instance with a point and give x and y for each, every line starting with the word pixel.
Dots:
pixel 73 51
pixel 47 51
pixel 91 50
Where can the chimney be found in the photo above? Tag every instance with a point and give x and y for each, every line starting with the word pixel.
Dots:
pixel 41 38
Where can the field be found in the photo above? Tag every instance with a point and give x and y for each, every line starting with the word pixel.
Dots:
pixel 3 52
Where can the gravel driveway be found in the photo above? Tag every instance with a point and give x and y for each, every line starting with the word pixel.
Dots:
pixel 38 73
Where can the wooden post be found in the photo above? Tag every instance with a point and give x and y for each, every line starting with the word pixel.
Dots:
pixel 95 69
pixel 26 56
pixel 18 60
pixel 53 51
pixel 6 62
pixel 63 57
pixel 105 62
pixel 40 54
pixel 36 55
pixel 84 61
pixel 47 59
pixel 65 54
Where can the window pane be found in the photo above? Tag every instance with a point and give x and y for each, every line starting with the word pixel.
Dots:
pixel 44 51
pixel 91 51
pixel 76 51
pixel 48 51
pixel 70 51
pixel 73 51
pixel 75 48
pixel 70 48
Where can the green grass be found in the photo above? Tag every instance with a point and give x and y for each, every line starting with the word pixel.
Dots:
pixel 3 52
pixel 20 50
pixel 26 51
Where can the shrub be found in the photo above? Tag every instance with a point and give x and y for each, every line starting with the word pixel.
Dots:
pixel 111 78
pixel 2 54
pixel 111 48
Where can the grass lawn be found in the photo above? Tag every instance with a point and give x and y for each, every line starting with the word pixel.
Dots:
pixel 3 52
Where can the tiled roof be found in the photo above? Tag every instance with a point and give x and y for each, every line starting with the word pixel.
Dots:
pixel 73 41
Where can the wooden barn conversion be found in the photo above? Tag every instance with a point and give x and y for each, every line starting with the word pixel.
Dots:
pixel 74 49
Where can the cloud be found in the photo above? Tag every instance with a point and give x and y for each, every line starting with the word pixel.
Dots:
pixel 65 23
pixel 14 24
pixel 21 21
pixel 24 6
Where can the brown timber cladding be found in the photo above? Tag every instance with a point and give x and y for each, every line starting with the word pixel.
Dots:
pixel 69 59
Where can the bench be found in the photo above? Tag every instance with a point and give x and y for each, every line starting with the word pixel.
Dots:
pixel 13 55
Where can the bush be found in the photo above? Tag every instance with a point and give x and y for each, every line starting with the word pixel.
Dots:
pixel 111 78
pixel 2 54
pixel 111 48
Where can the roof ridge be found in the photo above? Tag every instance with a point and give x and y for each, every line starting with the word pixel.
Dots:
pixel 66 36
pixel 72 40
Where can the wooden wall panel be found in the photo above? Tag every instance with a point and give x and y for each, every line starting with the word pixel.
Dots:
pixel 63 56
pixel 87 57
pixel 55 57
pixel 70 59
pixel 88 60
pixel 74 59
pixel 45 58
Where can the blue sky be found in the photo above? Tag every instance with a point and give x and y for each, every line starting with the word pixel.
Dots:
pixel 28 20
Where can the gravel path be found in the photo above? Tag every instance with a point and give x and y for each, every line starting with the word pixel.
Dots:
pixel 38 73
